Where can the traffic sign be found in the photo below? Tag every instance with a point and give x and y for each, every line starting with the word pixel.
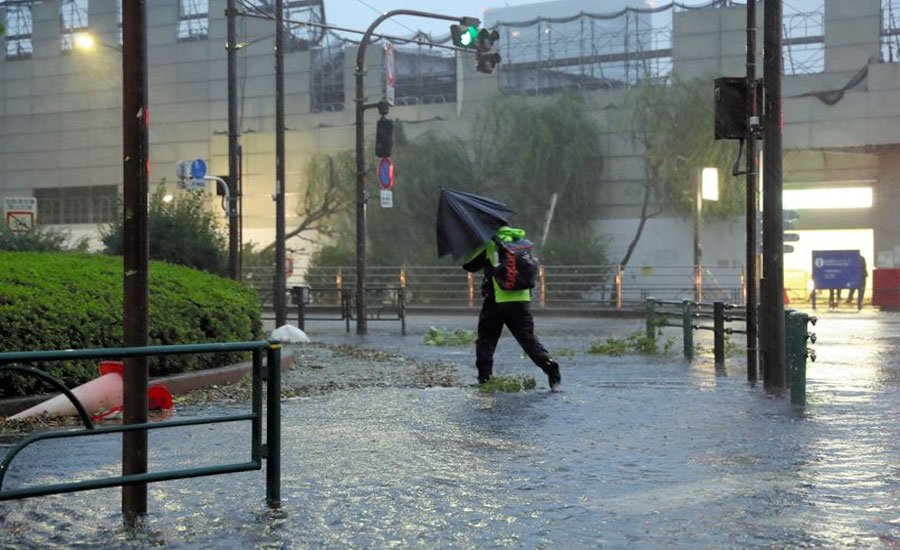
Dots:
pixel 19 222
pixel 20 213
pixel 386 173
pixel 387 198
pixel 390 73
pixel 198 169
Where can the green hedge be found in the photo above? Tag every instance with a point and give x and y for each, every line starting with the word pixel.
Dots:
pixel 69 300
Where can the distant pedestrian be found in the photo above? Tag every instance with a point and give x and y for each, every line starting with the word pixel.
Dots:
pixel 506 302
pixel 863 277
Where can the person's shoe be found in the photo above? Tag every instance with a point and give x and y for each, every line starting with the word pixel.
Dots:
pixel 484 379
pixel 554 378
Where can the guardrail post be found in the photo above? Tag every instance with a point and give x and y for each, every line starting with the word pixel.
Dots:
pixel 344 297
pixel 687 328
pixel 339 283
pixel 542 277
pixel 651 317
pixel 619 287
pixel 256 393
pixel 273 426
pixel 719 333
pixel 401 309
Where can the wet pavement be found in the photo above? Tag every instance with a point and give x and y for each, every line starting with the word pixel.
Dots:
pixel 637 452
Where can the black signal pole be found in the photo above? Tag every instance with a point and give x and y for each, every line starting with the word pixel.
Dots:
pixel 773 349
pixel 279 290
pixel 361 195
pixel 135 144
pixel 752 185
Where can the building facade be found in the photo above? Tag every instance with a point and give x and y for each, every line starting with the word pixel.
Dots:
pixel 60 109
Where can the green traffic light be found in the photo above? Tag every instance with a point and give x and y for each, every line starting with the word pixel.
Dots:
pixel 468 37
pixel 464 36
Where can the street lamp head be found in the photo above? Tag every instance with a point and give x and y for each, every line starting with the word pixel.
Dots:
pixel 85 41
pixel 709 189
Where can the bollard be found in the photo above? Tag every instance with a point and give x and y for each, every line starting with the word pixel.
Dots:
pixel 687 327
pixel 651 318
pixel 273 425
pixel 796 335
pixel 719 333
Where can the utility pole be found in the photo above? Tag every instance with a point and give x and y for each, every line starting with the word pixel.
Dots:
pixel 773 348
pixel 752 185
pixel 279 290
pixel 698 251
pixel 361 194
pixel 234 239
pixel 135 145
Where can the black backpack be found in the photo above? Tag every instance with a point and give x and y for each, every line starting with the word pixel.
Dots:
pixel 518 267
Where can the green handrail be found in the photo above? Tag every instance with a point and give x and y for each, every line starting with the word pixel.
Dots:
pixel 271 451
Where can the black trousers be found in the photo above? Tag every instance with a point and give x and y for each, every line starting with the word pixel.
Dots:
pixel 517 318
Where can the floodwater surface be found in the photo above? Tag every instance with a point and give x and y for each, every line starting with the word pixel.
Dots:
pixel 635 453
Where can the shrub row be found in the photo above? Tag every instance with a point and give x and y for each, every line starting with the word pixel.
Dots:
pixel 71 301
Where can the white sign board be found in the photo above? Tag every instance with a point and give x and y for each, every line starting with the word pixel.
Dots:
pixel 20 213
pixel 390 73
pixel 387 198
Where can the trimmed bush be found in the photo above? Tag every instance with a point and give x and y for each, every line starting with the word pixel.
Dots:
pixel 61 301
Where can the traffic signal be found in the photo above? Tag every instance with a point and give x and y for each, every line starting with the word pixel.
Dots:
pixel 384 137
pixel 486 55
pixel 464 36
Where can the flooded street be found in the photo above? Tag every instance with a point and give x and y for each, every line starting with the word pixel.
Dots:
pixel 637 452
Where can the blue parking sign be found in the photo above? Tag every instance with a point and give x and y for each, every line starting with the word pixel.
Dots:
pixel 836 269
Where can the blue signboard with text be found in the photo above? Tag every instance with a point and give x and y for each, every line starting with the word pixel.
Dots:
pixel 836 269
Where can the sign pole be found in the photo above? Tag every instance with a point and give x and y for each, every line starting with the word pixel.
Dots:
pixel 136 245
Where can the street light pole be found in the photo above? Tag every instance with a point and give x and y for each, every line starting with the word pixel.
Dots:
pixel 234 245
pixel 279 290
pixel 773 348
pixel 361 195
pixel 751 198
pixel 698 253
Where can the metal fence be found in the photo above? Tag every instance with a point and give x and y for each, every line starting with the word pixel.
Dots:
pixel 558 286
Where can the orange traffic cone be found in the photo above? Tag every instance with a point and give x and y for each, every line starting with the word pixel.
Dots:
pixel 100 397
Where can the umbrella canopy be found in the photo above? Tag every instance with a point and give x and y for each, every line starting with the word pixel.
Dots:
pixel 466 221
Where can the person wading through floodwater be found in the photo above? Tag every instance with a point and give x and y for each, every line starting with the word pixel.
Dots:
pixel 507 297
pixel 475 231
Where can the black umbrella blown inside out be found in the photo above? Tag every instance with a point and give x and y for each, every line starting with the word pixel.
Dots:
pixel 466 221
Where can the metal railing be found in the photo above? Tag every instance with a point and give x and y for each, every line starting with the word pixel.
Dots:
pixel 660 313
pixel 595 287
pixel 271 451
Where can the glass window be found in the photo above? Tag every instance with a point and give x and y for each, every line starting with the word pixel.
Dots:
pixel 193 20
pixel 73 19
pixel 18 32
pixel 76 205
